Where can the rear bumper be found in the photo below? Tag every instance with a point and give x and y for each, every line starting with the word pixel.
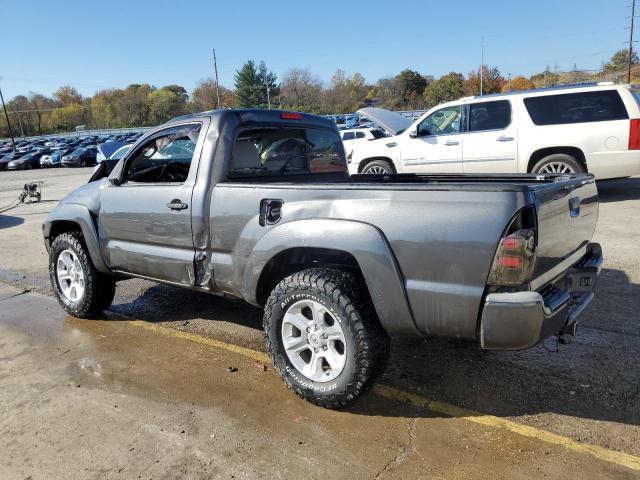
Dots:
pixel 519 320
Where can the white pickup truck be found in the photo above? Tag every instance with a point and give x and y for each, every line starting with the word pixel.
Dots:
pixel 592 128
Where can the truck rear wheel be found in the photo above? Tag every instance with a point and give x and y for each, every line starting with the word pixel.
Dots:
pixel 81 289
pixel 325 341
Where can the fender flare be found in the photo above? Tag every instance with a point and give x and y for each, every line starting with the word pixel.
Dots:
pixel 76 213
pixel 363 241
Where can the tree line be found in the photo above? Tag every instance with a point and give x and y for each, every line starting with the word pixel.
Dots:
pixel 255 86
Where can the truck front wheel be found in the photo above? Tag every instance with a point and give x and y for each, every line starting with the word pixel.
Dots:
pixel 81 289
pixel 325 340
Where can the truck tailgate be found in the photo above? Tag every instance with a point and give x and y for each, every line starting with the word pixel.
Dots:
pixel 567 212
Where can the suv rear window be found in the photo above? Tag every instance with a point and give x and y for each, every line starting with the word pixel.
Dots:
pixel 598 106
pixel 268 152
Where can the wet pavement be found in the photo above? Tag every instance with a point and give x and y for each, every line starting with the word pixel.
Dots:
pixel 108 399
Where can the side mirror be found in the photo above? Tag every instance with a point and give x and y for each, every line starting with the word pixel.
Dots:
pixel 413 133
pixel 115 181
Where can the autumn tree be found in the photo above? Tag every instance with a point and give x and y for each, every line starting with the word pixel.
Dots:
pixel 492 81
pixel 301 90
pixel 518 83
pixel 67 95
pixel 166 103
pixel 412 85
pixel 204 96
pixel 447 88
pixel 345 94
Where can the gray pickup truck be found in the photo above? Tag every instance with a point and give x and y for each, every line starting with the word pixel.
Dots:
pixel 258 205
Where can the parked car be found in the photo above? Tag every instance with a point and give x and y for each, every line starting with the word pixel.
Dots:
pixel 45 161
pixel 56 156
pixel 106 149
pixel 338 263
pixel 4 161
pixel 25 162
pixel 569 129
pixel 80 157
pixel 353 137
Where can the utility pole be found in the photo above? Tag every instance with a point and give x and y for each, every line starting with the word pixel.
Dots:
pixel 13 140
pixel 215 67
pixel 266 83
pixel 509 82
pixel 633 13
pixel 482 64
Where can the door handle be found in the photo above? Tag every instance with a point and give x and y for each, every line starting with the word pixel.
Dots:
pixel 451 143
pixel 176 204
pixel 504 138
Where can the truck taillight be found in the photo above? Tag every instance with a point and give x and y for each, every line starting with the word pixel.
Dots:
pixel 514 258
pixel 291 116
pixel 634 134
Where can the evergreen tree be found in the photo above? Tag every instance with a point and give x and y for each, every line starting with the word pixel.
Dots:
pixel 246 82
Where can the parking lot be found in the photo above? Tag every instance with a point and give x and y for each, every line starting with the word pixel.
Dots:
pixel 153 376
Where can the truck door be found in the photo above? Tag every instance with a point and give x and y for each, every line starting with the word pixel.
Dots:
pixel 436 145
pixel 490 143
pixel 145 212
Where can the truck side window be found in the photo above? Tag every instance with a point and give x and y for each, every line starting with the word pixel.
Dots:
pixel 268 152
pixel 489 115
pixel 441 122
pixel 165 158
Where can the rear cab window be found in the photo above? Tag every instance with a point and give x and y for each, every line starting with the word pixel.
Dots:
pixel 271 152
pixel 581 107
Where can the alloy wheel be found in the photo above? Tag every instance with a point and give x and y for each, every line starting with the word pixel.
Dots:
pixel 314 341
pixel 70 275
pixel 556 167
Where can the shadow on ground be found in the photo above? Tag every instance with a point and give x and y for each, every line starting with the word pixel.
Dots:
pixel 8 221
pixel 619 190
pixel 594 376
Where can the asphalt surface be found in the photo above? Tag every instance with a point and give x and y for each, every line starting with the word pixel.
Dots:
pixel 587 391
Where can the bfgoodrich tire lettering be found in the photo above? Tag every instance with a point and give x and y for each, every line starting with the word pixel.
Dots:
pixel 99 289
pixel 366 343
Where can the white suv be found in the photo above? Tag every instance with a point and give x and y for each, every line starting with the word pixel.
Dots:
pixel 588 128
pixel 353 137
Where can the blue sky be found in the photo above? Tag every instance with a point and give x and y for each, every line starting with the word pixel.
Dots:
pixel 96 45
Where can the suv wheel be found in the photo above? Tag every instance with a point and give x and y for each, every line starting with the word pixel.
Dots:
pixel 326 344
pixel 79 287
pixel 378 167
pixel 558 163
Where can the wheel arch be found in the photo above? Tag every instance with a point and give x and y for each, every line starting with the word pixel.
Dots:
pixel 73 217
pixel 364 162
pixel 539 154
pixel 356 247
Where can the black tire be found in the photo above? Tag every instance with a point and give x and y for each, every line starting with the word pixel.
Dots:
pixel 378 167
pixel 99 289
pixel 367 344
pixel 558 159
